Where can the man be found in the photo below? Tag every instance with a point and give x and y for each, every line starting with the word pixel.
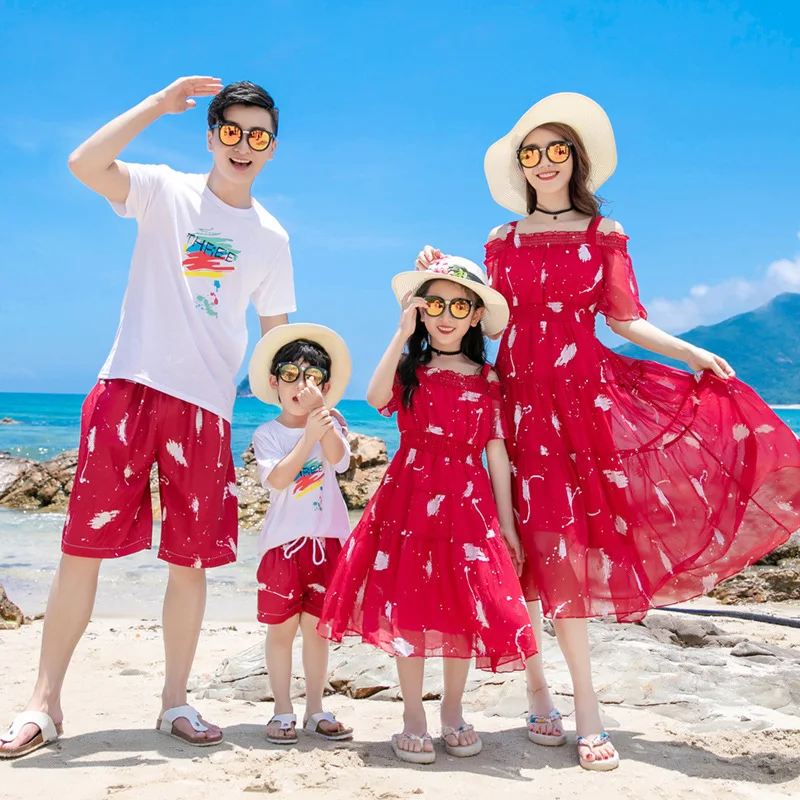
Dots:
pixel 165 394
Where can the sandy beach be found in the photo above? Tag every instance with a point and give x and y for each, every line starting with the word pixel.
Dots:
pixel 111 750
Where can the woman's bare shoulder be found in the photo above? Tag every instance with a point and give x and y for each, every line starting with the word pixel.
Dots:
pixel 608 225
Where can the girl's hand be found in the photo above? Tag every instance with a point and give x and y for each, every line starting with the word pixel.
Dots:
pixel 318 424
pixel 310 398
pixel 176 98
pixel 511 538
pixel 427 256
pixel 699 360
pixel 410 313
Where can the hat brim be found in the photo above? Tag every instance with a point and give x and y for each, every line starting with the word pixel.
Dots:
pixel 495 316
pixel 265 350
pixel 503 173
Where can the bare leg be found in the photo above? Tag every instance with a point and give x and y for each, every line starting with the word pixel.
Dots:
pixel 573 639
pixel 540 702
pixel 69 608
pixel 184 606
pixel 280 639
pixel 411 672
pixel 455 679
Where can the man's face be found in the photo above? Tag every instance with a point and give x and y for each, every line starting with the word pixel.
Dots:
pixel 240 163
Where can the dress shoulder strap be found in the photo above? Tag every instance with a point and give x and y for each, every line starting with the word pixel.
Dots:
pixel 591 231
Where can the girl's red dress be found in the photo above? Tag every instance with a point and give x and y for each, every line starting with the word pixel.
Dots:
pixel 426 571
pixel 636 484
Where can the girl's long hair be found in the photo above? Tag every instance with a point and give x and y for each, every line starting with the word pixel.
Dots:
pixel 579 194
pixel 418 351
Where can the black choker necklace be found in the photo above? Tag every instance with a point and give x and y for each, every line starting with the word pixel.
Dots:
pixel 444 352
pixel 554 213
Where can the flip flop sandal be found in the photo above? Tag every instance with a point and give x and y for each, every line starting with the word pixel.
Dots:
pixel 288 722
pixel 547 739
pixel 48 733
pixel 312 725
pixel 422 757
pixel 460 750
pixel 165 725
pixel 599 764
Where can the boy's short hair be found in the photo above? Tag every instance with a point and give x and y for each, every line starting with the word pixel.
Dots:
pixel 302 350
pixel 243 93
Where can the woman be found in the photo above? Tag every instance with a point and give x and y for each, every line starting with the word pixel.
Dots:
pixel 636 485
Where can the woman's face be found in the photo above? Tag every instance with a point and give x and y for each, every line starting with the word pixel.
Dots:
pixel 547 178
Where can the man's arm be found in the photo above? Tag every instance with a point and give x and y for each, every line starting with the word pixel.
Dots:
pixel 95 161
pixel 268 323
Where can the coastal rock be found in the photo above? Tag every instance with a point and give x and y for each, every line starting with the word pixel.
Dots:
pixel 10 614
pixel 10 469
pixel 684 630
pixel 40 485
pixel 9 421
pixel 761 584
pixel 790 550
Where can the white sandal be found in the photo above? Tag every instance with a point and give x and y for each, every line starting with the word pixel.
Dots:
pixel 312 726
pixel 460 750
pixel 410 756
pixel 597 764
pixel 48 733
pixel 287 722
pixel 547 739
pixel 165 724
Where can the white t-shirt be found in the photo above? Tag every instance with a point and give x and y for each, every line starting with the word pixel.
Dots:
pixel 196 265
pixel 312 505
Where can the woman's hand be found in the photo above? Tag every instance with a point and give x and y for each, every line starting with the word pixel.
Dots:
pixel 511 538
pixel 427 256
pixel 410 313
pixel 699 360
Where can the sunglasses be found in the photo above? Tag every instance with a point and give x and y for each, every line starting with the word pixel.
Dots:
pixel 231 134
pixel 557 152
pixel 459 307
pixel 289 372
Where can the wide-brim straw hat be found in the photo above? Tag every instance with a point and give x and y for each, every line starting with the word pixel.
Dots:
pixel 505 176
pixel 466 273
pixel 330 341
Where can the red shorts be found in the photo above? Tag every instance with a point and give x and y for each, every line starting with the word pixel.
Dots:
pixel 294 577
pixel 127 427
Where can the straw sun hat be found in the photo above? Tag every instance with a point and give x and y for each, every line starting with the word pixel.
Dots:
pixel 464 272
pixel 330 341
pixel 503 172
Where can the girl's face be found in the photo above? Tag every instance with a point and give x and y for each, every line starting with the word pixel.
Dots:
pixel 445 330
pixel 547 178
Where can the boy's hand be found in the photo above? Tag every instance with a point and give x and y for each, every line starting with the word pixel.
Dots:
pixel 310 398
pixel 319 423
pixel 511 538
pixel 176 98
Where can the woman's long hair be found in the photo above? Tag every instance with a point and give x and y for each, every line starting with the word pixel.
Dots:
pixel 418 351
pixel 579 194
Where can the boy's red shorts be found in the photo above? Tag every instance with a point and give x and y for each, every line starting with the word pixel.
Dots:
pixel 294 577
pixel 126 427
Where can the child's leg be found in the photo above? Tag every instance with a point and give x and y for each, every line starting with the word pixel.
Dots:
pixel 455 679
pixel 280 639
pixel 315 669
pixel 411 672
pixel 540 703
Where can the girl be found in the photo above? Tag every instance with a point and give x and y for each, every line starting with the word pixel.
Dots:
pixel 425 572
pixel 636 485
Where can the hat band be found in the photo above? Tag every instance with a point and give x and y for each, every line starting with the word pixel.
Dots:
pixel 459 272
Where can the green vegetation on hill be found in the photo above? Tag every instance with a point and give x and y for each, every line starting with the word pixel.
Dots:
pixel 763 346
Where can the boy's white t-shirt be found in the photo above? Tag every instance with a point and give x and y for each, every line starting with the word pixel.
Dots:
pixel 196 265
pixel 312 505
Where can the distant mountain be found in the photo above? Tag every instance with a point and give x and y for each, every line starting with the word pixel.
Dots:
pixel 763 346
pixel 243 389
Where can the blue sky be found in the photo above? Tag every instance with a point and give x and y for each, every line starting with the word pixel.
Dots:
pixel 386 111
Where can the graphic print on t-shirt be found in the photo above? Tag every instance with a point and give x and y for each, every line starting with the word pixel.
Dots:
pixel 208 256
pixel 308 479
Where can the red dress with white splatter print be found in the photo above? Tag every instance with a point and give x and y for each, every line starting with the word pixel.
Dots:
pixel 636 484
pixel 426 572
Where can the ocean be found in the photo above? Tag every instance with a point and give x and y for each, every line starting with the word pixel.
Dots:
pixel 134 586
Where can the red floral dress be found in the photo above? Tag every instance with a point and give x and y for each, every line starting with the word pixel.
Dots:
pixel 426 571
pixel 636 485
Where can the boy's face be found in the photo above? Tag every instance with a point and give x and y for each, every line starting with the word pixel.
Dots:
pixel 288 392
pixel 240 163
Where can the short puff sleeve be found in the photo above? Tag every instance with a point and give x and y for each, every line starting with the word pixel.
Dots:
pixel 499 428
pixel 619 299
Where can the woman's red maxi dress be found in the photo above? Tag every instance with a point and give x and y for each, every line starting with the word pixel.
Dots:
pixel 636 485
pixel 426 571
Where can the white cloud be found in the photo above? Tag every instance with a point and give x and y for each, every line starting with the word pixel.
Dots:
pixel 706 305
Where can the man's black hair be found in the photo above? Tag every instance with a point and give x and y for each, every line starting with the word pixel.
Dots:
pixel 243 93
pixel 302 350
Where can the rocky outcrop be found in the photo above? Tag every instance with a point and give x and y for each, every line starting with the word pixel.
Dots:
pixel 761 584
pixel 10 615
pixel 9 421
pixel 46 485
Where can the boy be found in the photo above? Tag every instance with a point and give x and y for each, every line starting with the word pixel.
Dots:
pixel 304 369
pixel 165 395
